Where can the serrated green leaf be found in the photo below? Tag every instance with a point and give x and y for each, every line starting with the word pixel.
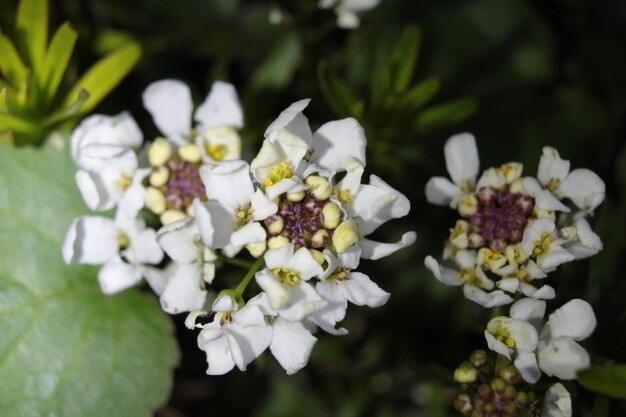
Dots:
pixel 404 58
pixel 608 380
pixel 66 349
pixel 279 67
pixel 11 65
pixel 105 75
pixel 56 61
pixel 446 114
pixel 420 94
pixel 32 30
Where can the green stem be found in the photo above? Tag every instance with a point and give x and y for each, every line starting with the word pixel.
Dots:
pixel 260 263
pixel 237 262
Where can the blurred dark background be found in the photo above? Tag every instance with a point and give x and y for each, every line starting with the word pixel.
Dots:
pixel 519 74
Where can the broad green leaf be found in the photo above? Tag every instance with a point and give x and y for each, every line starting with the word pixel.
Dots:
pixel 404 58
pixel 57 59
pixel 66 349
pixel 11 65
pixel 608 380
pixel 446 114
pixel 420 94
pixel 279 67
pixel 32 30
pixel 105 75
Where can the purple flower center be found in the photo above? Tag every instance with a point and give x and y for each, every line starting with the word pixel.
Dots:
pixel 502 216
pixel 301 219
pixel 184 184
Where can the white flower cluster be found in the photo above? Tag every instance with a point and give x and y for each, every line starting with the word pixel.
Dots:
pixel 348 10
pixel 299 208
pixel 513 231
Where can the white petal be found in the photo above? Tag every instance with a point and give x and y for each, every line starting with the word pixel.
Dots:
pixel 228 182
pixel 584 187
pixel 563 358
pixel 496 345
pixel 224 303
pixel 557 402
pixel 91 240
pixel 508 284
pixel 338 143
pixel 178 240
pixel 442 191
pixel 534 232
pixel 305 264
pixel 530 310
pixel 588 244
pixel 184 290
pixel 335 309
pixel 94 192
pixel 145 248
pixel 360 290
pixel 218 354
pixel 524 334
pixel 446 276
pixel 486 299
pixel 462 158
pixel 376 250
pixel 291 345
pixel 303 301
pixel 277 294
pixel 555 256
pixel 169 103
pixel 133 199
pixel 220 108
pixel 526 364
pixel 287 185
pixel 116 275
pixel 546 292
pixel 119 130
pixel 293 121
pixel 551 166
pixel 157 278
pixel 396 207
pixel 216 223
pixel 224 137
pixel 575 319
pixel 252 232
pixel 546 201
pixel 251 340
pixel 262 207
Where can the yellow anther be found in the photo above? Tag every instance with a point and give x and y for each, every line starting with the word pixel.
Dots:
pixel 243 215
pixel 159 152
pixel 277 242
pixel 215 152
pixel 344 236
pixel 190 153
pixel 159 176
pixel 511 171
pixel 493 260
pixel 122 240
pixel 552 184
pixel 278 173
pixel 344 196
pixel 339 274
pixel 543 245
pixel 171 216
pixel 286 275
pixel 320 187
pixel 124 182
pixel 514 254
pixel 510 342
pixel 256 249
pixel 331 215
pixel 155 200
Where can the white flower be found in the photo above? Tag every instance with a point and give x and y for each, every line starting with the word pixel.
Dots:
pixel 541 240
pixel 557 402
pixel 104 149
pixel 348 10
pixel 462 161
pixel 193 266
pixel 122 246
pixel 169 102
pixel 585 242
pixel 235 337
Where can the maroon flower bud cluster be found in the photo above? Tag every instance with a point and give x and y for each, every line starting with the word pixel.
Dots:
pixel 184 184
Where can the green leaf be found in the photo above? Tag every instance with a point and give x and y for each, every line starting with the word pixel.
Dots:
pixel 11 65
pixel 420 94
pixel 105 75
pixel 32 30
pixel 608 380
pixel 66 349
pixel 18 125
pixel 279 67
pixel 57 59
pixel 404 58
pixel 446 114
pixel 337 93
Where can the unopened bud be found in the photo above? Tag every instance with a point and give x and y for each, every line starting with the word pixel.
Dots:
pixel 320 238
pixel 468 206
pixel 465 373
pixel 475 240
pixel 299 196
pixel 277 242
pixel 317 255
pixel 159 176
pixel 463 404
pixel 478 358
pixel 190 153
pixel 257 249
pixel 498 385
pixel 510 374
pixel 159 152
pixel 171 216
pixel 344 236
pixel 320 187
pixel 331 215
pixel 274 224
pixel 155 200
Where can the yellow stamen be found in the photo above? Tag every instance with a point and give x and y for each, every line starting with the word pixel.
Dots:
pixel 278 173
pixel 215 152
pixel 286 276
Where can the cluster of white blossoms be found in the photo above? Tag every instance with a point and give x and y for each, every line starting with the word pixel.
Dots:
pixel 186 204
pixel 512 232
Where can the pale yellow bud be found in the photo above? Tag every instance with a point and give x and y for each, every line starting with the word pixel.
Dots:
pixel 344 236
pixel 277 242
pixel 189 210
pixel 514 254
pixel 296 196
pixel 517 187
pixel 274 224
pixel 159 176
pixel 190 153
pixel 512 171
pixel 159 152
pixel 320 238
pixel 171 216
pixel 320 187
pixel 468 206
pixel 155 200
pixel 317 255
pixel 331 215
pixel 256 249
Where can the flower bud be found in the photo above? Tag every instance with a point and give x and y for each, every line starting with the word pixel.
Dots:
pixel 463 404
pixel 277 242
pixel 159 152
pixel 320 238
pixel 468 206
pixel 257 249
pixel 296 196
pixel 320 187
pixel 155 200
pixel 465 373
pixel 517 186
pixel 171 216
pixel 478 358
pixel 317 255
pixel 331 215
pixel 159 176
pixel 510 374
pixel 190 153
pixel 344 236
pixel 274 224
pixel 475 240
